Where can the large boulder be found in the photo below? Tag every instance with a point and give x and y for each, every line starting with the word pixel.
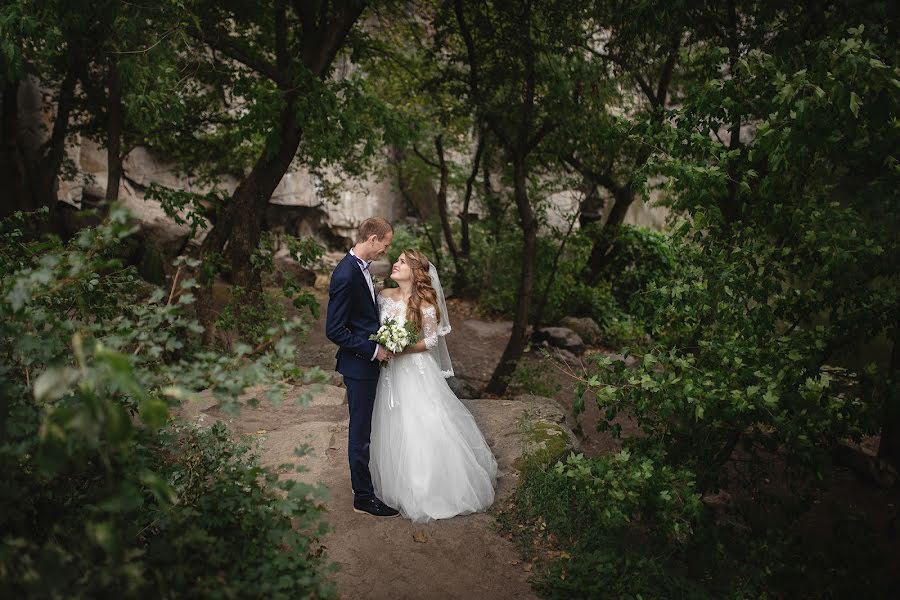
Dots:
pixel 559 337
pixel 546 438
pixel 585 327
pixel 563 355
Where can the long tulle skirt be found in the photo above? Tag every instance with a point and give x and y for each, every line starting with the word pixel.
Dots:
pixel 428 458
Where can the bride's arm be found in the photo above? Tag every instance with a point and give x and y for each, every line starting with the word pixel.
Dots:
pixel 429 332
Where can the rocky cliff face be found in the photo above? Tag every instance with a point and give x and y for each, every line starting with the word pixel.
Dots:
pixel 298 206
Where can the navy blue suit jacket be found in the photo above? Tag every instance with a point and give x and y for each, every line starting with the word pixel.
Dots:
pixel 351 318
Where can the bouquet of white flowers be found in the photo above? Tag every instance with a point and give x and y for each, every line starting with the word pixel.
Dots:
pixel 395 337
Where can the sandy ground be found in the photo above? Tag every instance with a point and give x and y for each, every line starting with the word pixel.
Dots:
pixel 462 557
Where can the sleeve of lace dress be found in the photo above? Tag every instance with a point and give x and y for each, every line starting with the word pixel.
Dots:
pixel 429 327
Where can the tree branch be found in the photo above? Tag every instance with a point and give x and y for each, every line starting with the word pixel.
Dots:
pixel 224 44
pixel 327 36
pixel 543 132
pixel 470 184
pixel 469 41
pixel 442 201
pixel 645 87
pixel 665 78
pixel 425 159
pixel 282 60
pixel 602 179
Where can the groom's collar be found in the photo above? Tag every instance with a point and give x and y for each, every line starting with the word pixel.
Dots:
pixel 363 263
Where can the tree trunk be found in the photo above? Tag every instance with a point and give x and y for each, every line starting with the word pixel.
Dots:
pixel 43 167
pixel 542 299
pixel 12 163
pixel 115 124
pixel 237 230
pixel 518 339
pixel 590 209
pixel 889 447
pixel 492 201
pixel 442 202
pixel 465 243
pixel 600 253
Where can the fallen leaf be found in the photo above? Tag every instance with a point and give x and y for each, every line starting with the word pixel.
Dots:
pixel 527 567
pixel 261 431
pixel 420 536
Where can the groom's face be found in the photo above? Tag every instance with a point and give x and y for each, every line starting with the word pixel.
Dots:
pixel 381 246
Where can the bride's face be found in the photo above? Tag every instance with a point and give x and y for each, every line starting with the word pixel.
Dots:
pixel 401 271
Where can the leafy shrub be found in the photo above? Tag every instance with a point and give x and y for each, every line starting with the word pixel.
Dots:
pixel 229 506
pixel 497 265
pixel 633 259
pixel 99 495
pixel 605 520
pixel 250 322
pixel 746 389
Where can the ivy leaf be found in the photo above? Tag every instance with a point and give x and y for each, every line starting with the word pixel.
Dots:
pixel 854 104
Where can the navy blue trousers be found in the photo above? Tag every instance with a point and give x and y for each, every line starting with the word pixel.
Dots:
pixel 361 401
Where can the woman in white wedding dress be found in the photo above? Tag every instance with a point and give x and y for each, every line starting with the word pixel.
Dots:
pixel 428 457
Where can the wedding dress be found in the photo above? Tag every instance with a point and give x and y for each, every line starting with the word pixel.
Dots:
pixel 427 456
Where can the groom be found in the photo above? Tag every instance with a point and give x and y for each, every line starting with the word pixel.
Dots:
pixel 352 318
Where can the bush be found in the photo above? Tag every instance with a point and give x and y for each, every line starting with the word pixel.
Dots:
pixel 633 259
pixel 250 322
pixel 746 390
pixel 100 494
pixel 604 520
pixel 496 268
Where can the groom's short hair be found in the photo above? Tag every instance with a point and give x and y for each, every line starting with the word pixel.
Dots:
pixel 373 226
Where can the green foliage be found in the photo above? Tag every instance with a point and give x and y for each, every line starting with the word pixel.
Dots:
pixel 531 378
pixel 100 493
pixel 185 207
pixel 251 322
pixel 228 503
pixel 606 518
pixel 633 258
pixel 414 237
pixel 755 319
pixel 780 270
pixel 496 266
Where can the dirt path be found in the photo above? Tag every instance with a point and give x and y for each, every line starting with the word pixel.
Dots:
pixel 461 557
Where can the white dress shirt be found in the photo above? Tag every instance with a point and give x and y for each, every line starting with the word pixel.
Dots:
pixel 371 285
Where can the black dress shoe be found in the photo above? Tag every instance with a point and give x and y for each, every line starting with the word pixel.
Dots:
pixel 374 507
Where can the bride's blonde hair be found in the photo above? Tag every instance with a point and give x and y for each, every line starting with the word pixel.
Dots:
pixel 422 290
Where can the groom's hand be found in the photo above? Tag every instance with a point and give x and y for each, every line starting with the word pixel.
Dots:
pixel 384 354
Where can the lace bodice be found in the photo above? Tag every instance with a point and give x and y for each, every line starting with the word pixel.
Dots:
pixel 389 308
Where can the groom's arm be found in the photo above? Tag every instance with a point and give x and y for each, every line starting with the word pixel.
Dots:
pixel 337 316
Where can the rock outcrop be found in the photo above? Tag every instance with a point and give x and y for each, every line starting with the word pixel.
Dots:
pixel 585 327
pixel 559 337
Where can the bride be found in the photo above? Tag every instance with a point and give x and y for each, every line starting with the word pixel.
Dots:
pixel 428 457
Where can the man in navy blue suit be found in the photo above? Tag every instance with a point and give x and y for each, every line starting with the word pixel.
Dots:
pixel 352 318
